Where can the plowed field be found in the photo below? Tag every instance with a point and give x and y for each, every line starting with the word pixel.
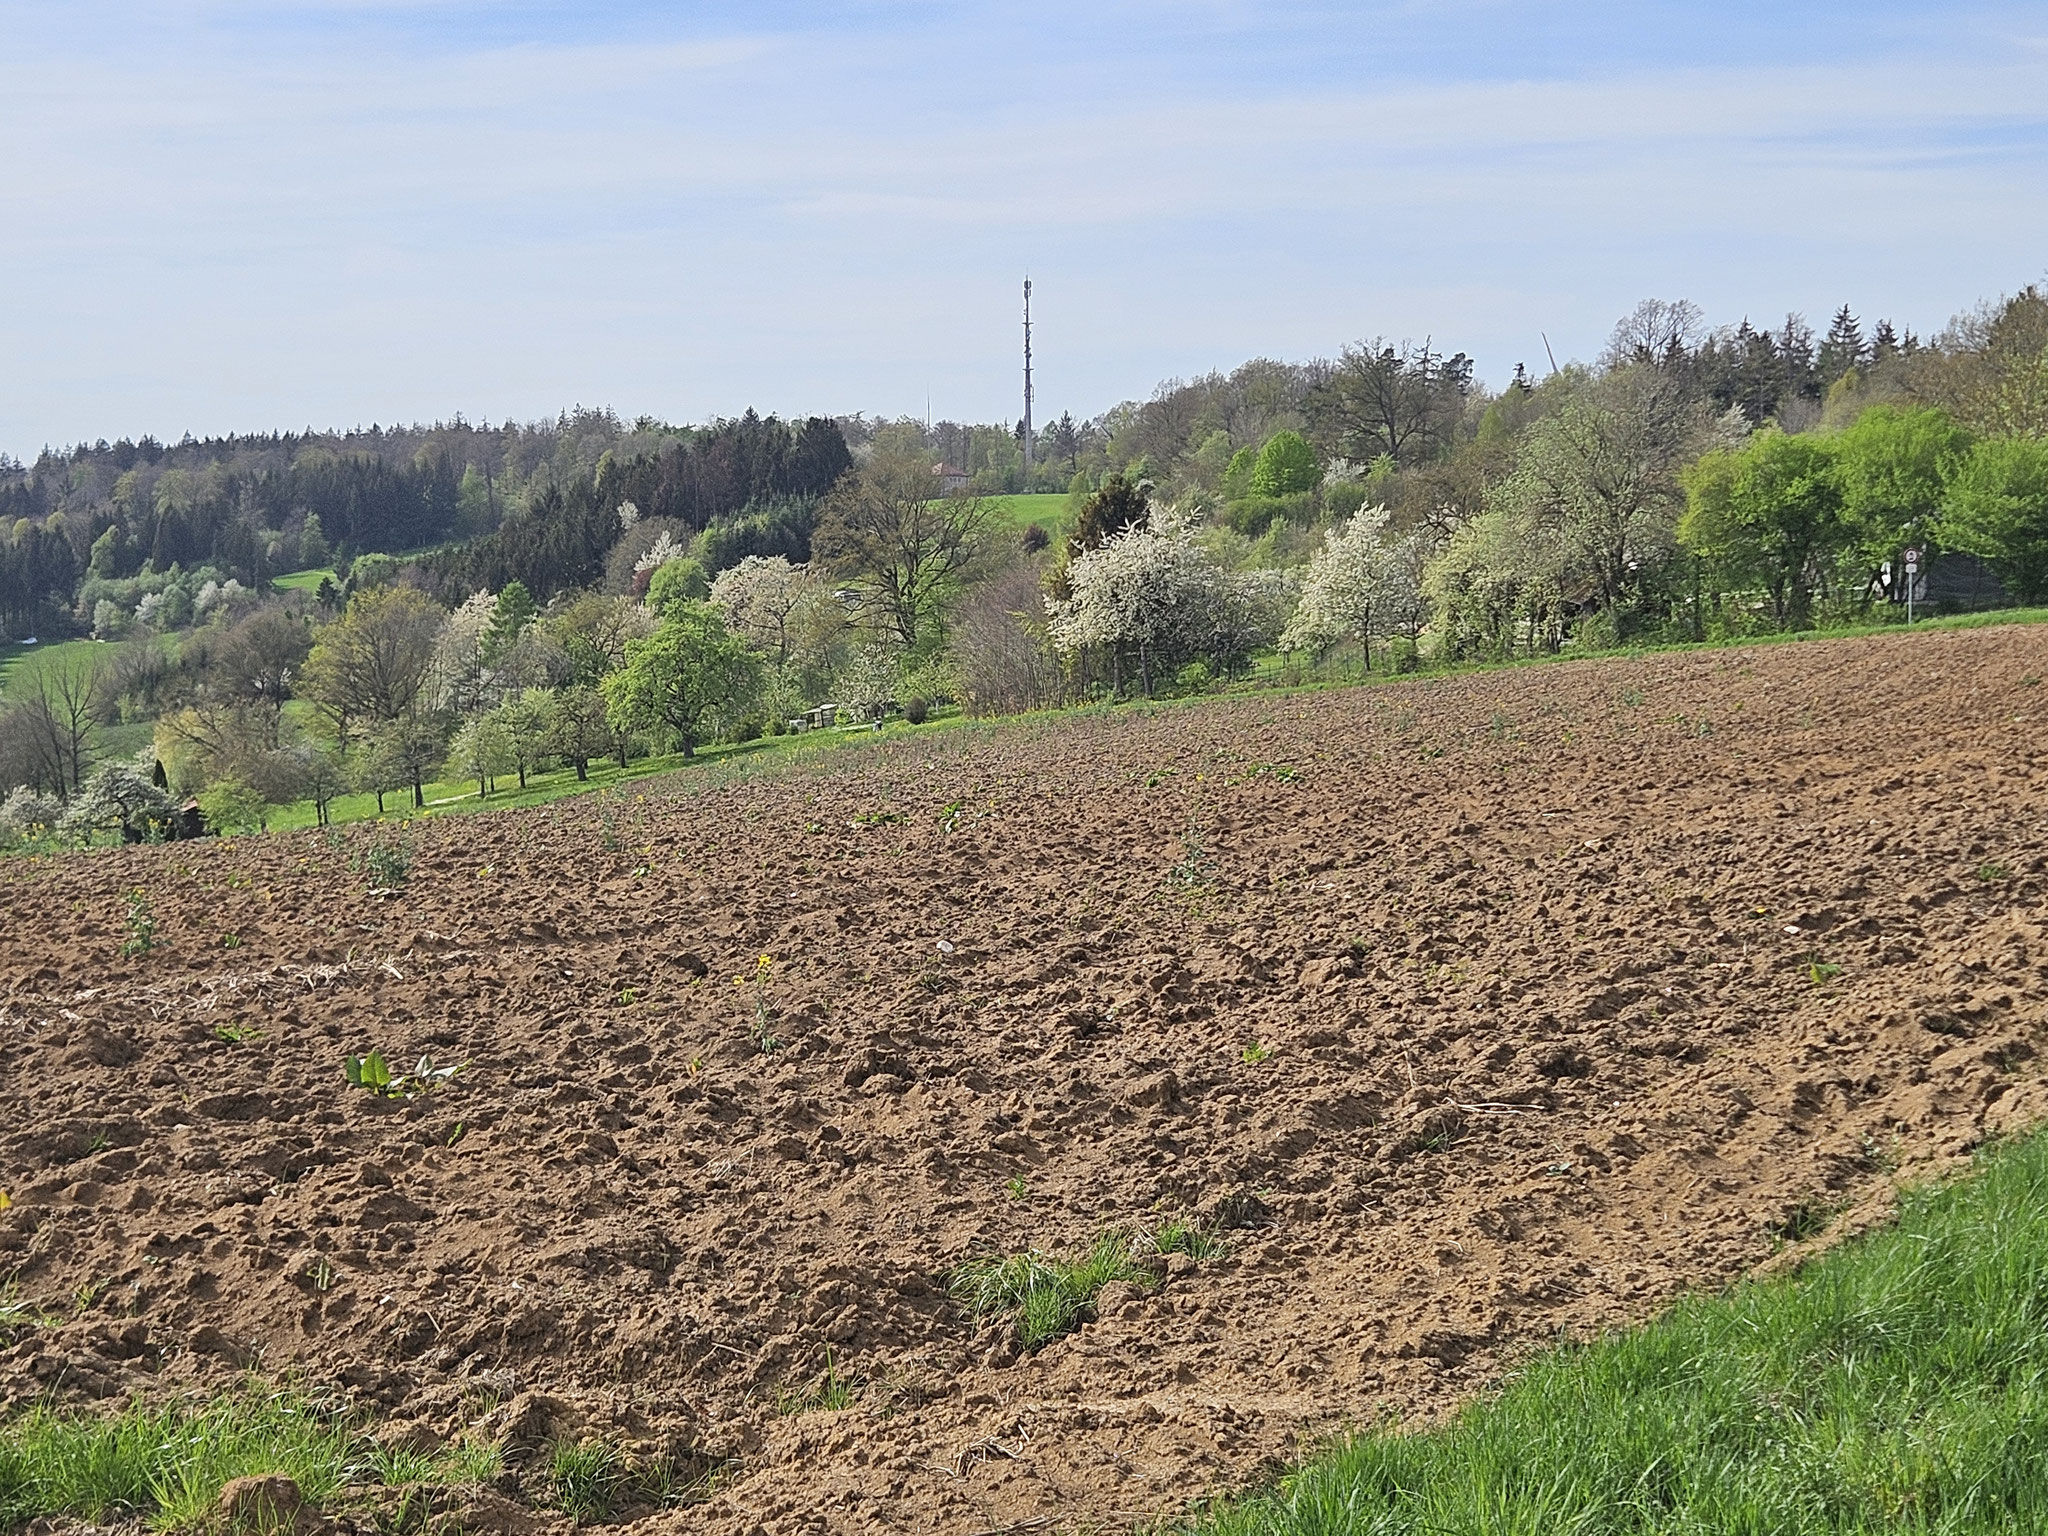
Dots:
pixel 1469 1009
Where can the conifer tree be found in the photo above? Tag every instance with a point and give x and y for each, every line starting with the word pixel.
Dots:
pixel 1843 348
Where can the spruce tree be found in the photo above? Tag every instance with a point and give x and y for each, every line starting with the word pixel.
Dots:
pixel 1843 349
pixel 1795 352
pixel 514 611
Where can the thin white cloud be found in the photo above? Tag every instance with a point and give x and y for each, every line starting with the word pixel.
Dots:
pixel 266 234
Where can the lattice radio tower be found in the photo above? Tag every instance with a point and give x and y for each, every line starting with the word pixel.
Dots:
pixel 1027 376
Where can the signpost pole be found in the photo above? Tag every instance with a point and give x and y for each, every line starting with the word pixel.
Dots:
pixel 1912 579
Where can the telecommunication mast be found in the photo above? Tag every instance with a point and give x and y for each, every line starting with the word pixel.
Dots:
pixel 1027 376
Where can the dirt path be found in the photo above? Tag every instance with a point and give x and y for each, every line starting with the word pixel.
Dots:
pixel 1574 987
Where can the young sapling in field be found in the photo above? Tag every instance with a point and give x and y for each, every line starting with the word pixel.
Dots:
pixel 141 926
pixel 764 1039
pixel 372 1073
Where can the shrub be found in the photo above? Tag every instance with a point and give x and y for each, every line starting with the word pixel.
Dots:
pixel 26 816
pixel 917 711
pixel 117 798
pixel 230 805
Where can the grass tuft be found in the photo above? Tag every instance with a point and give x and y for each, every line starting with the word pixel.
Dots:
pixel 587 1481
pixel 1044 1296
pixel 830 1391
pixel 1180 1236
pixel 595 1481
pixel 1899 1384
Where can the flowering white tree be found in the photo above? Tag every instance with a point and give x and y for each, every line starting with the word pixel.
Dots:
pixel 871 678
pixel 460 678
pixel 659 553
pixel 1154 591
pixel 1360 584
pixel 769 603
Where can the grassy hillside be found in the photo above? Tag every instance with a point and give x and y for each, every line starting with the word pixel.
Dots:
pixel 1048 510
pixel 20 665
pixel 449 796
pixel 302 581
pixel 1898 1384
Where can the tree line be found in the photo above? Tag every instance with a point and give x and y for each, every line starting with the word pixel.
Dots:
pixel 1379 509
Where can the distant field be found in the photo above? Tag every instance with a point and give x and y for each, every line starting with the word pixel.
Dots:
pixel 301 581
pixel 1048 509
pixel 21 664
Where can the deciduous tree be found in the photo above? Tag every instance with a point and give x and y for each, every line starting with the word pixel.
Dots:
pixel 1403 402
pixel 1997 509
pixel 1286 466
pixel 372 663
pixel 690 676
pixel 901 551
pixel 1769 512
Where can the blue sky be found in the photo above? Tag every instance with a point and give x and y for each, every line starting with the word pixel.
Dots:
pixel 227 215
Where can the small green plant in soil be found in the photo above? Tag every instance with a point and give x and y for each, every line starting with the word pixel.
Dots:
pixel 1990 874
pixel 141 926
pixel 17 1314
pixel 1195 870
pixel 1255 1053
pixel 1044 1296
pixel 1896 1385
pixel 1821 972
pixel 373 1074
pixel 764 1037
pixel 828 1392
pixel 389 864
pixel 237 1034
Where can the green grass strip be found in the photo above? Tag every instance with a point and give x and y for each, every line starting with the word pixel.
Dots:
pixel 1897 1385
pixel 169 1463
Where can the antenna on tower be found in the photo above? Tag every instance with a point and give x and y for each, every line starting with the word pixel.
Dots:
pixel 1027 377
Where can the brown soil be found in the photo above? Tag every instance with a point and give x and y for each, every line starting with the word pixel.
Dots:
pixel 1543 959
